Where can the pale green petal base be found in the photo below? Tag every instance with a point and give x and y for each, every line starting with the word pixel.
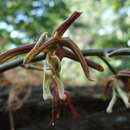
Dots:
pixel 117 92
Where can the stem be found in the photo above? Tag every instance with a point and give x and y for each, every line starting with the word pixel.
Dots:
pixel 119 51
pixel 109 65
pixel 15 63
pixel 87 52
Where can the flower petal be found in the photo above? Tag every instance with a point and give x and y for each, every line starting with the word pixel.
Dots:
pixel 71 45
pixel 33 52
pixel 60 30
pixel 14 52
pixel 69 54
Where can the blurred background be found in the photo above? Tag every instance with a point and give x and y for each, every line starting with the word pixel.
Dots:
pixel 103 24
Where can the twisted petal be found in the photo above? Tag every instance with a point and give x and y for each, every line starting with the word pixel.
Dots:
pixel 14 52
pixel 125 77
pixel 118 92
pixel 33 52
pixel 112 102
pixel 60 30
pixel 63 52
pixel 52 43
pixel 108 85
pixel 71 45
pixel 46 82
pixel 60 86
pixel 123 96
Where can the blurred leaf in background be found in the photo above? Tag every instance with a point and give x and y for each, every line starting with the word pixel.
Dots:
pixel 22 22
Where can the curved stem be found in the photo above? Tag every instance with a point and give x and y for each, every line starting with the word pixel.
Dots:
pixel 119 51
pixel 15 63
pixel 109 65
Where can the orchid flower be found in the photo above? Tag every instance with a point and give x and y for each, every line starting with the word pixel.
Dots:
pixel 120 89
pixel 55 41
pixel 52 68
pixel 56 48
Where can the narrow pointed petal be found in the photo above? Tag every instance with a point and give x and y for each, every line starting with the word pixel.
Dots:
pixel 60 87
pixel 112 102
pixel 60 30
pixel 33 52
pixel 107 86
pixel 14 52
pixel 46 89
pixel 123 96
pixel 71 55
pixel 48 45
pixel 124 76
pixel 46 82
pixel 71 45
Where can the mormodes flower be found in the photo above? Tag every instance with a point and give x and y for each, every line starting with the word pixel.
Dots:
pixel 120 89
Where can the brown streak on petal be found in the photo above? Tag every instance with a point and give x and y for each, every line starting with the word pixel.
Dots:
pixel 52 43
pixel 14 52
pixel 126 82
pixel 71 45
pixel 46 47
pixel 71 55
pixel 33 51
pixel 59 31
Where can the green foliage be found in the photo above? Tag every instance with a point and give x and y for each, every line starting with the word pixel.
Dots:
pixel 105 24
pixel 24 20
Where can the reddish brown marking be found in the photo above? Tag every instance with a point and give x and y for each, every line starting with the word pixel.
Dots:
pixel 68 102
